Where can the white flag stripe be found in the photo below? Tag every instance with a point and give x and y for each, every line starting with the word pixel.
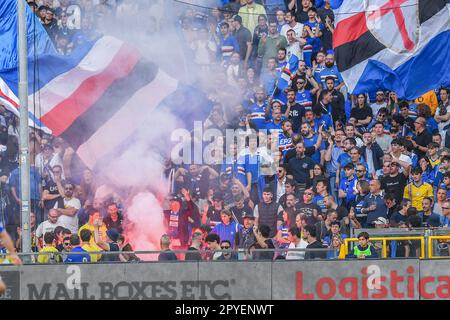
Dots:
pixel 62 86
pixel 127 119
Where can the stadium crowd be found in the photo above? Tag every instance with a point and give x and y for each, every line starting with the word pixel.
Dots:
pixel 332 162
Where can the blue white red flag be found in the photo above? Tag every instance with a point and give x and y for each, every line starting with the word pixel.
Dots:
pixel 400 45
pixel 287 73
pixel 100 95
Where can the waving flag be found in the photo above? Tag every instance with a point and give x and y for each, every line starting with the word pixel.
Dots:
pixel 100 95
pixel 38 43
pixel 400 45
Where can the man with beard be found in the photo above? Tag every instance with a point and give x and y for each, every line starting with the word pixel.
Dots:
pixel 68 212
pixel 259 109
pixel 292 24
pixel 301 167
pixel 303 96
pixel 290 188
pixel 240 208
pixel 285 138
pixel 272 45
pixel 332 71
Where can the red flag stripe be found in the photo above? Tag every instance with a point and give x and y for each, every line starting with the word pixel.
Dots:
pixel 66 112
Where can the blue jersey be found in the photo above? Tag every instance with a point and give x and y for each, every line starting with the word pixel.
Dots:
pixel 235 170
pixel 273 127
pixel 227 232
pixel 332 164
pixel 312 25
pixel 309 142
pixel 258 115
pixel 304 99
pixel 324 120
pixel 318 200
pixel 82 257
pixel 329 72
pixel 284 143
pixel 2 228
pixel 348 186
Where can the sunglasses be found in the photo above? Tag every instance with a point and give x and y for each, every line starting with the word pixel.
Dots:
pixel 225 247
pixel 360 170
pixel 67 244
pixel 68 188
pixel 308 193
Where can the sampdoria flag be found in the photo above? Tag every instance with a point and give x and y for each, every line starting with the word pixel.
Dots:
pixel 288 73
pixel 97 98
pixel 400 45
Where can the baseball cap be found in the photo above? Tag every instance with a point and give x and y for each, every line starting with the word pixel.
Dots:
pixel 381 220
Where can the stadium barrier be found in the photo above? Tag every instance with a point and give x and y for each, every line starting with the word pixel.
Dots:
pixel 409 279
pixel 384 241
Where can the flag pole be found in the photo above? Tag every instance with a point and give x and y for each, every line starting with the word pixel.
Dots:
pixel 24 135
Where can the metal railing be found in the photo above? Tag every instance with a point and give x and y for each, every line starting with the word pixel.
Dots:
pixel 384 241
pixel 442 239
pixel 248 254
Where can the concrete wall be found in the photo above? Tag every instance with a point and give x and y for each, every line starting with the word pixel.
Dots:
pixel 286 280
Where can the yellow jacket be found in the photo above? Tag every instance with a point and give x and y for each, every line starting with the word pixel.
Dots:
pixel 430 99
pixel 417 193
pixel 250 15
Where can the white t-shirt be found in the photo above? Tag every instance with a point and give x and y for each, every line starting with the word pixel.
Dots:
pixel 70 223
pixel 45 227
pixel 376 107
pixel 294 48
pixel 297 255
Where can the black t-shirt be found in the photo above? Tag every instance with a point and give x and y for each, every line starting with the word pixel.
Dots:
pixel 398 217
pixel 299 168
pixel 239 213
pixel 327 37
pixel 302 16
pixel 295 114
pixel 52 189
pixel 243 36
pixel 315 254
pixel 192 255
pixel 394 185
pixel 110 224
pixel 264 255
pixel 214 215
pixel 307 209
pixel 361 113
pixel 422 139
